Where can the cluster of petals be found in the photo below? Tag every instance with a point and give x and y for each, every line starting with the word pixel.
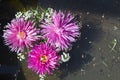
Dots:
pixel 43 59
pixel 20 34
pixel 61 31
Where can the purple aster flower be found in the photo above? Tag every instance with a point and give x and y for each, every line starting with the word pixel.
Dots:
pixel 20 34
pixel 61 31
pixel 43 59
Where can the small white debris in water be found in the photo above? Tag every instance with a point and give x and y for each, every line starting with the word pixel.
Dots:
pixel 90 42
pixel 86 38
pixel 94 64
pixel 15 75
pixel 94 59
pixel 83 56
pixel 114 42
pixel 103 16
pixel 99 48
pixel 104 64
pixel 88 13
pixel 115 27
pixel 88 25
pixel 82 70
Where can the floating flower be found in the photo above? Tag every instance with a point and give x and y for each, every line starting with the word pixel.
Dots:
pixel 61 31
pixel 43 59
pixel 20 34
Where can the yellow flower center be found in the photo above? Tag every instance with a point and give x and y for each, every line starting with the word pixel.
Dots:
pixel 43 58
pixel 21 34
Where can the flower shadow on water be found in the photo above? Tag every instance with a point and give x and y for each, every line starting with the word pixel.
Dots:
pixel 80 52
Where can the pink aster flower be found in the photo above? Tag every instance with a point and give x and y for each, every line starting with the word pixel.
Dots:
pixel 61 31
pixel 20 34
pixel 43 59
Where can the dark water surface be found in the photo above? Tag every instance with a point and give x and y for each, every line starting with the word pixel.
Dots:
pixel 95 56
